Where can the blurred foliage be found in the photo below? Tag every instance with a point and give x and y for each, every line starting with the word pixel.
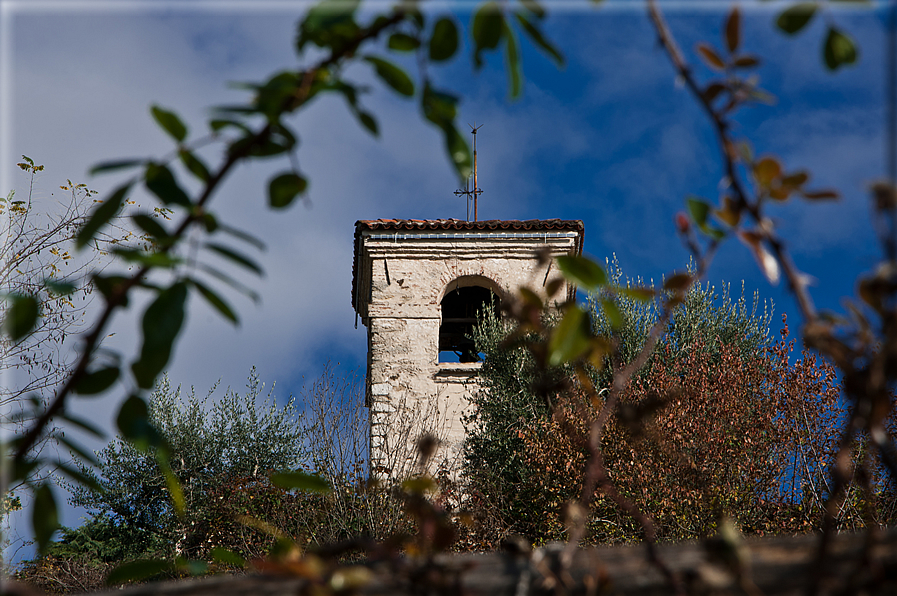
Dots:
pixel 239 511
pixel 598 370
pixel 716 418
pixel 45 297
pixel 164 270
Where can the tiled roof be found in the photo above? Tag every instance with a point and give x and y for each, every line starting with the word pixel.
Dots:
pixel 460 224
pixel 453 225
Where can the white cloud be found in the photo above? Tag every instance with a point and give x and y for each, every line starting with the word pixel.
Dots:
pixel 613 141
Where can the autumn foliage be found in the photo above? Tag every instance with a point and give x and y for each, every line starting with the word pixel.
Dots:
pixel 728 434
pixel 715 423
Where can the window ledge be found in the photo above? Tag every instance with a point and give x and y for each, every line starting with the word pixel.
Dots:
pixel 458 369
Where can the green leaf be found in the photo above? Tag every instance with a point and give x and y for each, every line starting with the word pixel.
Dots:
pixel 216 301
pixel 21 467
pixel 251 145
pixel 402 42
pixel 101 215
pixel 174 486
pixel 329 23
pixel 170 123
pixel 839 49
pixel 714 233
pixel 192 567
pixel 236 257
pixel 570 339
pixel 194 165
pixel 276 94
pixel 229 281
pixel 151 226
pixel 132 415
pixel 21 316
pixel 134 425
pixel 44 516
pixel 222 555
pixel 109 285
pixel 84 454
pixel 368 121
pixel 444 41
pixel 301 481
pixel 60 288
pixel 138 570
pixel 240 109
pixel 640 294
pixel 539 39
pixel 162 322
pixel 796 17
pixel 283 189
pixel 109 166
pixel 512 56
pixel 419 485
pixel 79 476
pixel 699 210
pixel 392 75
pixel 582 271
pixel 161 182
pixel 458 151
pixel 487 29
pixel 220 124
pixel 98 381
pixel 438 107
pixel 210 222
pixel 162 260
pixel 244 236
pixel 534 7
pixel 82 424
pixel 612 312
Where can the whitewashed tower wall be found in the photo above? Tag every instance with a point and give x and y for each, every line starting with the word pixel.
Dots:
pixel 403 269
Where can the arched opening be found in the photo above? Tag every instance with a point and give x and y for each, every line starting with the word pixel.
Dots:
pixel 460 308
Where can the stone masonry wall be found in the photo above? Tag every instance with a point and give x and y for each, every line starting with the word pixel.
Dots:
pixel 404 281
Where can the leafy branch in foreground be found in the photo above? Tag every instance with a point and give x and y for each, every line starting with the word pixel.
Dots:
pixel 333 36
pixel 45 296
pixel 750 187
pixel 863 350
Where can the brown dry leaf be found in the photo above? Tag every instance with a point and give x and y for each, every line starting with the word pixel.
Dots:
pixel 710 57
pixel 766 170
pixel 677 282
pixel 733 30
pixel 712 91
pixel 821 195
pixel 729 213
pixel 746 61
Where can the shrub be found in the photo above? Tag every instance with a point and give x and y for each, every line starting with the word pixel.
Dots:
pixel 209 444
pixel 719 419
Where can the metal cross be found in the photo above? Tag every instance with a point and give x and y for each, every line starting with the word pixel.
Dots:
pixel 476 191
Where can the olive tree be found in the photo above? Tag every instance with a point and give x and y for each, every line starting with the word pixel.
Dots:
pixel 211 442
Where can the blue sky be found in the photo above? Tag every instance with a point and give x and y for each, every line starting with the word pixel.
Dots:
pixel 612 140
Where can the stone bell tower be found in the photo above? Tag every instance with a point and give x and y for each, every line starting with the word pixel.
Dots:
pixel 418 286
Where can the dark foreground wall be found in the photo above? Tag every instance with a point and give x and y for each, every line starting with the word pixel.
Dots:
pixel 855 565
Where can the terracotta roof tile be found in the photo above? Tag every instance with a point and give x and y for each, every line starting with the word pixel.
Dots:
pixel 460 224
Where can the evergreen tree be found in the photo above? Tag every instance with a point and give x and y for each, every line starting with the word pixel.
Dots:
pixel 210 443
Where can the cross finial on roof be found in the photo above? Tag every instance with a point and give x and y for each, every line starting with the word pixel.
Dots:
pixel 476 190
